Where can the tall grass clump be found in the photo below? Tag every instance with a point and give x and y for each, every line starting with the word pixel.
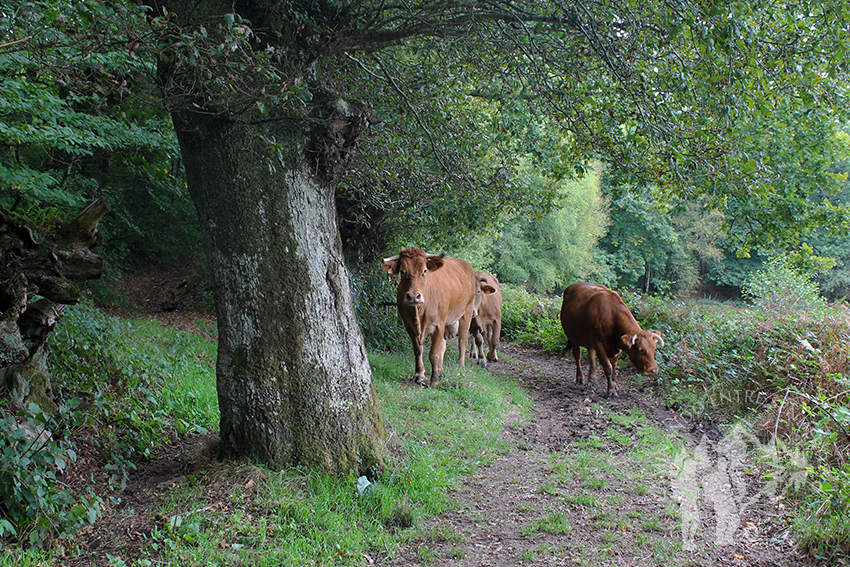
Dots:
pixel 782 364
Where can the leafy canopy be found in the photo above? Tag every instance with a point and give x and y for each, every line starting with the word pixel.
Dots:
pixel 79 119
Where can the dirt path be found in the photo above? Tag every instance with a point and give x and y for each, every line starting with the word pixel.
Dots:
pixel 593 481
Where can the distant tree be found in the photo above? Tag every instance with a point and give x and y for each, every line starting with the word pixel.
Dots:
pixel 832 241
pixel 640 240
pixel 662 245
pixel 701 240
pixel 548 252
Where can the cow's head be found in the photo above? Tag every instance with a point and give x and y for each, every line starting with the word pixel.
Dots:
pixel 640 349
pixel 485 287
pixel 412 265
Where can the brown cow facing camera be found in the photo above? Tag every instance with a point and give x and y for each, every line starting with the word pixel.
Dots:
pixel 434 292
pixel 596 318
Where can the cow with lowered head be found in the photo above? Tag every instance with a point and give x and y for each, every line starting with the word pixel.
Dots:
pixel 596 318
pixel 434 292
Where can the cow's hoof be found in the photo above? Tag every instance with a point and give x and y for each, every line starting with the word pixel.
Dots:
pixel 434 382
pixel 612 395
pixel 420 380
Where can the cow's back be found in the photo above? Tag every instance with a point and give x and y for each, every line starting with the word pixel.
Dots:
pixel 592 313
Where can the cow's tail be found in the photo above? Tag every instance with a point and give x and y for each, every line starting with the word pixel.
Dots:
pixel 567 348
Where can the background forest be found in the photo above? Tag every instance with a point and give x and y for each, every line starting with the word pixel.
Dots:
pixel 479 171
pixel 82 119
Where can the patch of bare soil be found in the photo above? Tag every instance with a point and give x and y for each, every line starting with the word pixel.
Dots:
pixel 132 516
pixel 179 296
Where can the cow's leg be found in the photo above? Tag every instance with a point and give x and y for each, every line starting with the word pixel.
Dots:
pixel 495 332
pixel 612 386
pixel 438 348
pixel 591 366
pixel 419 374
pixel 463 335
pixel 608 367
pixel 577 356
pixel 478 349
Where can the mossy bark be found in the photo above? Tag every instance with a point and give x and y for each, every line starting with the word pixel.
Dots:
pixel 294 382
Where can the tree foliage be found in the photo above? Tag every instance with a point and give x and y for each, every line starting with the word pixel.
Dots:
pixel 80 120
pixel 546 252
pixel 711 98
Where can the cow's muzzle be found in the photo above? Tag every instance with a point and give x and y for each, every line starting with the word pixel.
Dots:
pixel 413 298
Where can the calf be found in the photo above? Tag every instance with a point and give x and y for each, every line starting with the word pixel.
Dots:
pixel 486 326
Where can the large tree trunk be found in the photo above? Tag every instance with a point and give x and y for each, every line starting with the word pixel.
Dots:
pixel 294 382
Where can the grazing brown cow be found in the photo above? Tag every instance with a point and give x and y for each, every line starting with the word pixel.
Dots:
pixel 596 318
pixel 433 292
pixel 487 320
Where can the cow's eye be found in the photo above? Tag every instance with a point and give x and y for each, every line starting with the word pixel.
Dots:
pixel 425 271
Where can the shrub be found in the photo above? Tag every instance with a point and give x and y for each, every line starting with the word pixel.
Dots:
pixel 531 319
pixel 136 383
pixel 376 311
pixel 784 365
pixel 34 505
pixel 779 289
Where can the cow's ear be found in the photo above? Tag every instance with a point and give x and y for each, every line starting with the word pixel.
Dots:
pixel 628 341
pixel 390 266
pixel 435 263
pixel 487 288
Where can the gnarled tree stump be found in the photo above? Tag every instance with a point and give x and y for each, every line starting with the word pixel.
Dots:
pixel 37 271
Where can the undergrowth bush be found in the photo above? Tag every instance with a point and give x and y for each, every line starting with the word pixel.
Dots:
pixel 121 388
pixel 376 311
pixel 34 506
pixel 782 364
pixel 532 320
pixel 94 356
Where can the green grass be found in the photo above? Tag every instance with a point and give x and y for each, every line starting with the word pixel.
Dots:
pixel 303 518
pixel 183 374
pixel 582 500
pixel 290 517
pixel 557 523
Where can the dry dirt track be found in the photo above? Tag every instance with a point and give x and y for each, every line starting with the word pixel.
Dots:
pixel 586 484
